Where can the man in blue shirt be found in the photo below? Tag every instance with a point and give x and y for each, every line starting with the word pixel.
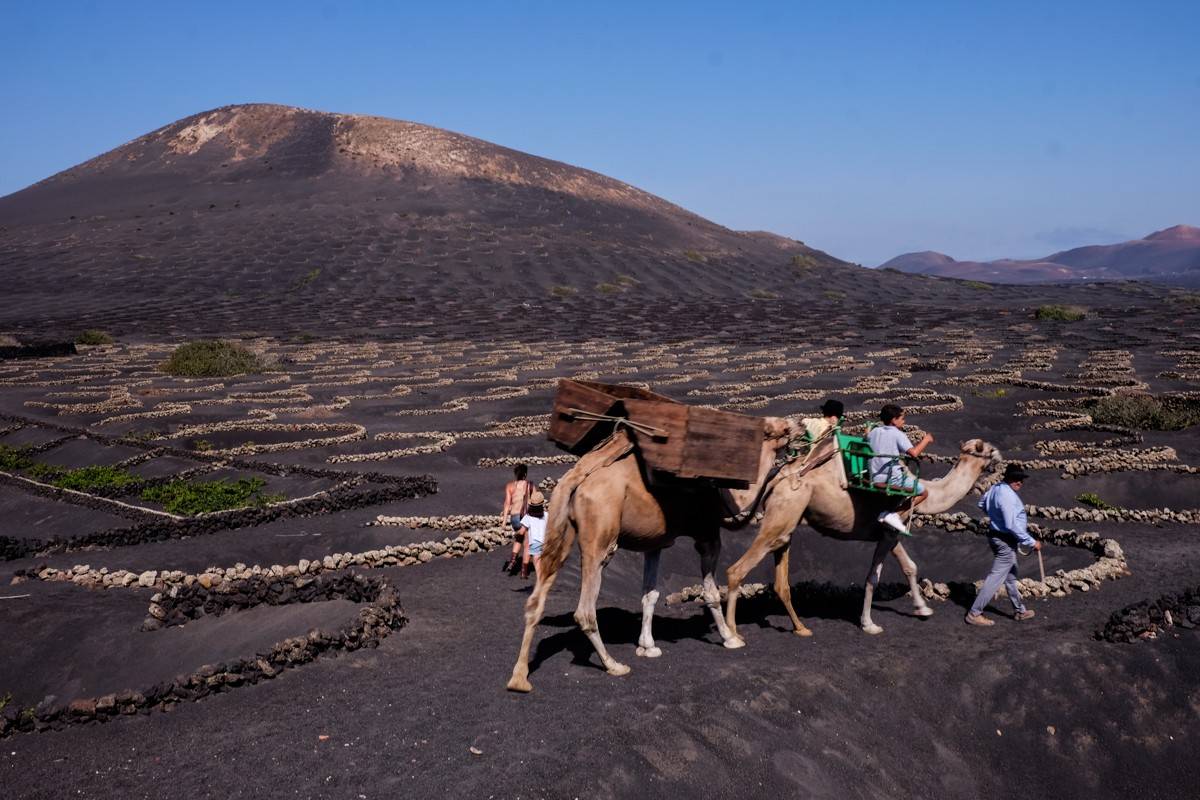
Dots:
pixel 1009 531
pixel 891 445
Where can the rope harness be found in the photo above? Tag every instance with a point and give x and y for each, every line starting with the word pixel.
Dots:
pixel 618 422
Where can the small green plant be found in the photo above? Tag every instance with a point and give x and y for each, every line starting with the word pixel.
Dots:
pixel 93 479
pixel 1187 299
pixel 763 294
pixel 1146 412
pixel 93 337
pixel 694 255
pixel 980 285
pixel 201 445
pixel 834 294
pixel 189 498
pixel 13 459
pixel 608 288
pixel 991 394
pixel 211 358
pixel 1095 501
pixel 46 473
pixel 5 700
pixel 1060 313
pixel 307 279
pixel 803 262
pixel 563 291
pixel 141 436
pixel 627 280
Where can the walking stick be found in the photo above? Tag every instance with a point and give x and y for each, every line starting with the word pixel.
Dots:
pixel 1041 566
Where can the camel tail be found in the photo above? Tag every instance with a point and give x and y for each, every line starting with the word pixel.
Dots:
pixel 560 529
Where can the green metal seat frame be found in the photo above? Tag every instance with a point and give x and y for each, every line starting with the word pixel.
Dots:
pixel 857 454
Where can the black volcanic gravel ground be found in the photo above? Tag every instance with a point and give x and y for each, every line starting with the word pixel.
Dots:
pixel 931 707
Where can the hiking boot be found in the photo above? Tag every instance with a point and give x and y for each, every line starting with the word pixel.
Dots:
pixel 977 619
pixel 893 520
pixel 512 566
pixel 525 570
pixel 1028 613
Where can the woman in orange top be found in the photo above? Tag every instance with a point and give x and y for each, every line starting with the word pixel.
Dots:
pixel 516 503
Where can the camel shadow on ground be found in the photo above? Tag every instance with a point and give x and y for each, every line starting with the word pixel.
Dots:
pixel 620 626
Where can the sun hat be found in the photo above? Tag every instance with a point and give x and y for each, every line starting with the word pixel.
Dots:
pixel 537 499
pixel 1013 473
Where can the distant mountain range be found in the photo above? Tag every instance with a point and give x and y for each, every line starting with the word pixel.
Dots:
pixel 1167 256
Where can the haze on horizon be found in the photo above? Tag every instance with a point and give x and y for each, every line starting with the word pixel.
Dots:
pixel 978 132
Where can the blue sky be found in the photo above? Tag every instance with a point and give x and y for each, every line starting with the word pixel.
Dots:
pixel 866 129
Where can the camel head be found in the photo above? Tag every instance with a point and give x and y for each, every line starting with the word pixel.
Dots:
pixel 776 430
pixel 977 449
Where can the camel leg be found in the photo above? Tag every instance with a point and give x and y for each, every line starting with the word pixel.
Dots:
pixel 646 645
pixel 534 607
pixel 781 518
pixel 885 544
pixel 783 588
pixel 710 551
pixel 909 568
pixel 585 612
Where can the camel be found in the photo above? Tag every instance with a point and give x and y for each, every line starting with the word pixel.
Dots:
pixel 605 503
pixel 821 499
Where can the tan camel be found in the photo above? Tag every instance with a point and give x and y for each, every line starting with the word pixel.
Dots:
pixel 605 503
pixel 819 499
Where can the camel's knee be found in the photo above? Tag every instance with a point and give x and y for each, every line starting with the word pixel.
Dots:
pixel 586 621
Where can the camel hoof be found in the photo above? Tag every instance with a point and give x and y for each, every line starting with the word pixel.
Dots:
pixel 522 685
pixel 872 629
pixel 923 612
pixel 618 669
pixel 649 652
pixel 805 632
pixel 735 643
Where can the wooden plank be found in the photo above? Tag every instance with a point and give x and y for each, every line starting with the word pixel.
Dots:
pixel 660 453
pixel 567 431
pixel 721 445
pixel 625 392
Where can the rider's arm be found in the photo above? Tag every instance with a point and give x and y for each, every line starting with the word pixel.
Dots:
pixel 921 445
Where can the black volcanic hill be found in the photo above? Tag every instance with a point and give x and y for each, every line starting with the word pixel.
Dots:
pixel 263 203
pixel 272 218
pixel 1167 256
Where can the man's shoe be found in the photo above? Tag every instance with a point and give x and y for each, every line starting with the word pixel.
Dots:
pixel 1028 613
pixel 508 565
pixel 893 520
pixel 978 619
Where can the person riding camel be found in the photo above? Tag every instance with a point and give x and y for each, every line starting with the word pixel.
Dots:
pixel 890 446
pixel 831 417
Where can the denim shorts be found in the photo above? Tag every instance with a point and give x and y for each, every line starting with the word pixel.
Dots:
pixel 906 481
pixel 535 547
pixel 515 521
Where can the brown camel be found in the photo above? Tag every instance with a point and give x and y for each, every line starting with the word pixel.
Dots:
pixel 605 503
pixel 820 499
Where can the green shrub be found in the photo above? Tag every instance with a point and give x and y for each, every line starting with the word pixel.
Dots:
pixel 46 473
pixel 1060 313
pixel 93 337
pixel 1145 412
pixel 627 280
pixel 803 262
pixel 694 255
pixel 1094 500
pixel 834 294
pixel 980 285
pixel 991 394
pixel 13 459
pixel 563 291
pixel 91 479
pixel 763 294
pixel 211 358
pixel 189 498
pixel 607 288
pixel 308 278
